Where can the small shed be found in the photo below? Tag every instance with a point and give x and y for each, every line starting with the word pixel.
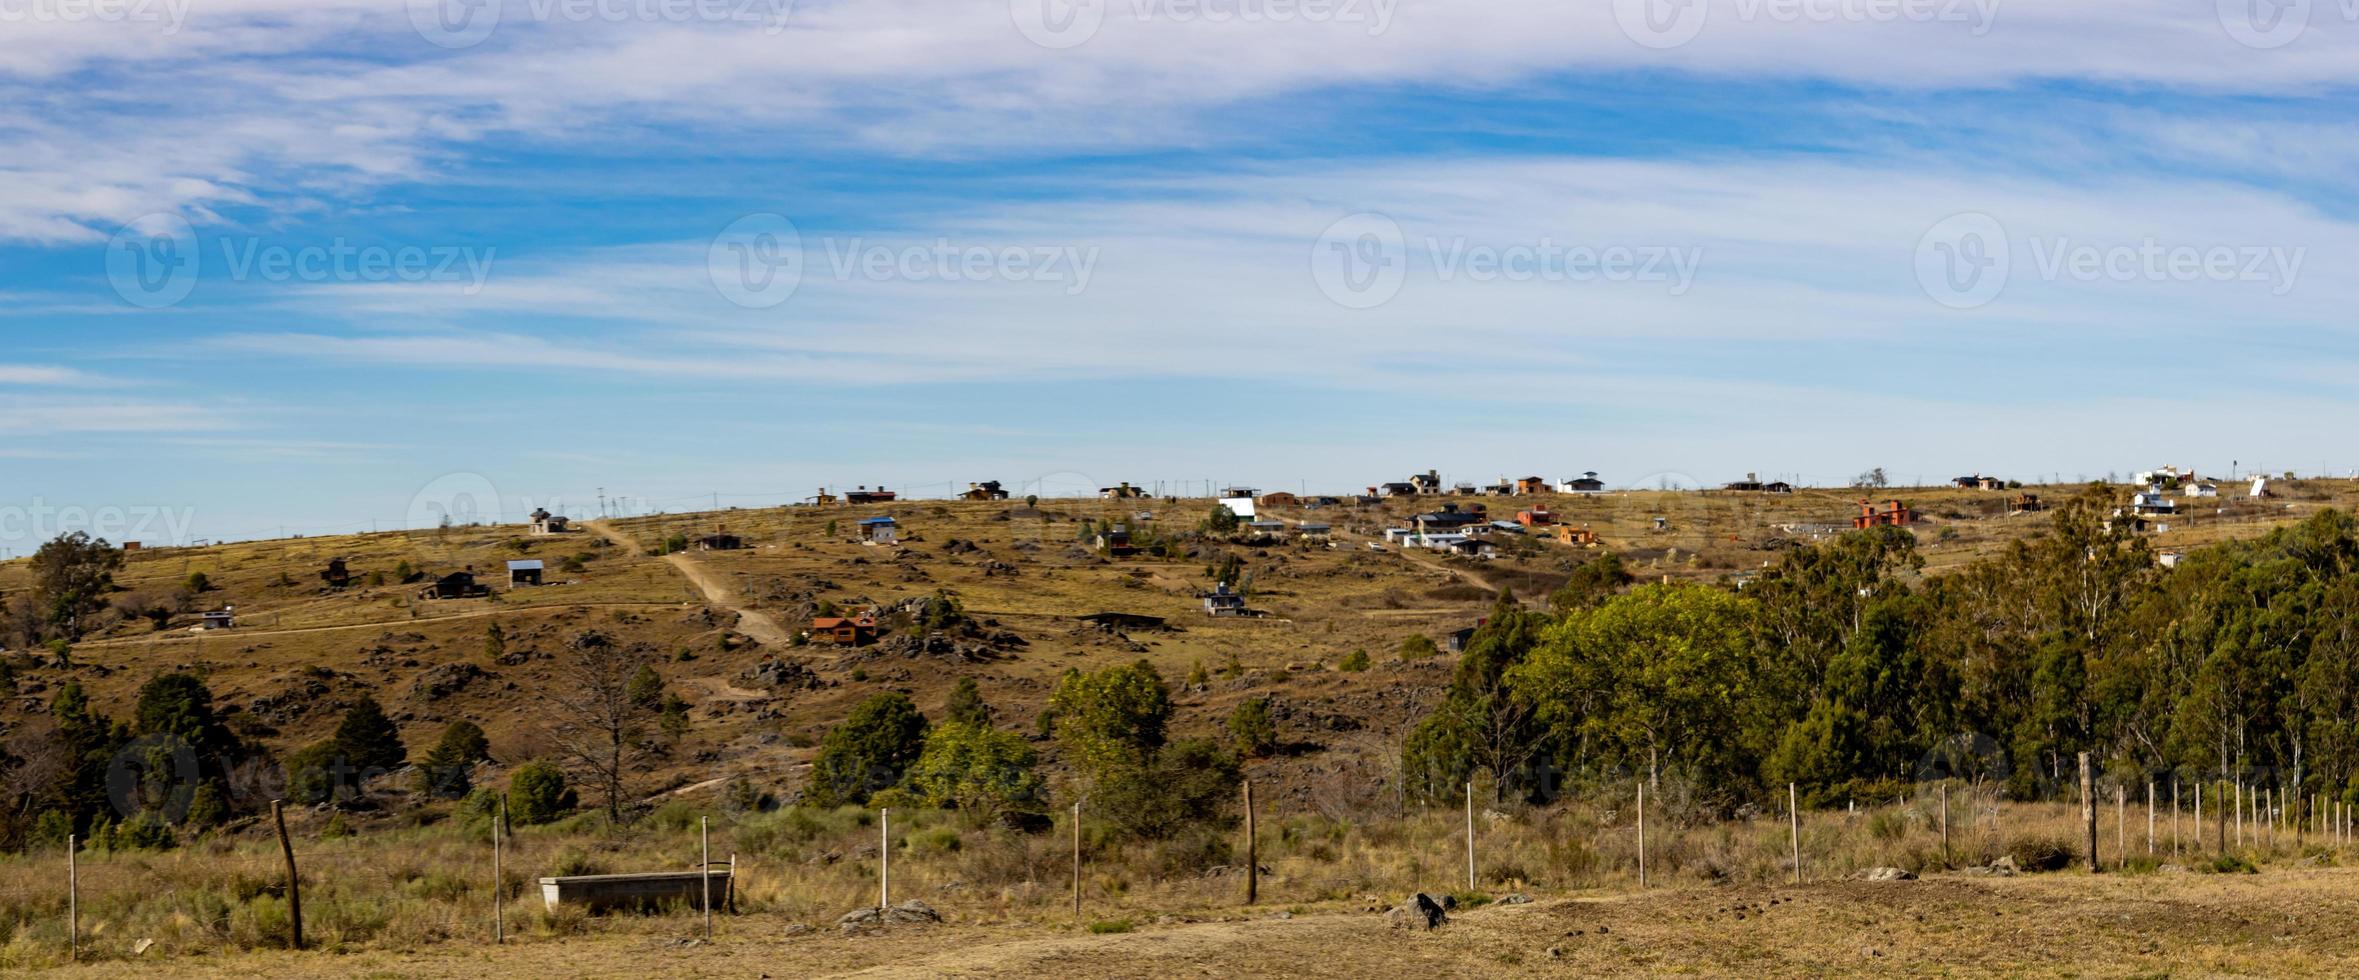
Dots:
pixel 879 530
pixel 524 571
pixel 1223 602
pixel 720 541
pixel 221 619
pixel 456 585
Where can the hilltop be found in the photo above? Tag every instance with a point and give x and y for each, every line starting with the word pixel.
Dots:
pixel 728 622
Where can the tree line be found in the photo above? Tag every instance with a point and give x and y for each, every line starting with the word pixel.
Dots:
pixel 1846 670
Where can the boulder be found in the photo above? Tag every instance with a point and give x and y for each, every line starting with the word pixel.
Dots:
pixel 1887 874
pixel 1419 913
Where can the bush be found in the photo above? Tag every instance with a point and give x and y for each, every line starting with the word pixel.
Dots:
pixel 2039 853
pixel 871 750
pixel 1418 647
pixel 1251 729
pixel 1354 662
pixel 537 793
pixel 1109 926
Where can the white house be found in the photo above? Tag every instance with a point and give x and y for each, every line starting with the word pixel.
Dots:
pixel 2153 502
pixel 1240 506
pixel 2200 490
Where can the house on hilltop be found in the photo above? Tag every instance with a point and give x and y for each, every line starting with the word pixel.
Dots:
pixel 987 490
pixel 1585 483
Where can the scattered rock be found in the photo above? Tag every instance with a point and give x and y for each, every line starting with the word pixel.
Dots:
pixel 1517 898
pixel 797 929
pixel 141 947
pixel 909 913
pixel 1887 874
pixel 1421 912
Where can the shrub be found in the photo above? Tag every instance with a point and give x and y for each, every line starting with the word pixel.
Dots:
pixel 1109 926
pixel 1354 662
pixel 1418 647
pixel 537 793
pixel 2041 853
pixel 1251 729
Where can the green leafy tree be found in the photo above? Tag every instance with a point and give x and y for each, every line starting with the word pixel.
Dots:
pixel 870 750
pixel 977 768
pixel 72 577
pixel 1112 718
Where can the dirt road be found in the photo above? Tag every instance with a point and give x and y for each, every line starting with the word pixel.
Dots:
pixel 751 622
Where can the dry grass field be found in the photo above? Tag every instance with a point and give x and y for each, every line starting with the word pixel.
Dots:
pixel 406 892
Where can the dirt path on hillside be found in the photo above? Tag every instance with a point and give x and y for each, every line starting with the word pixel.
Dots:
pixel 245 633
pixel 751 622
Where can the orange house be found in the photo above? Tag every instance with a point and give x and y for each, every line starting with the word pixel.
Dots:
pixel 849 631
pixel 1579 537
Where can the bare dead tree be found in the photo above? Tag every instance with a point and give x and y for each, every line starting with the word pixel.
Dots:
pixel 595 723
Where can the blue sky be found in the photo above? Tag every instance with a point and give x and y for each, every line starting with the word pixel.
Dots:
pixel 320 266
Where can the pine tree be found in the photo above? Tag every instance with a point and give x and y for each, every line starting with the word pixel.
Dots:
pixel 368 740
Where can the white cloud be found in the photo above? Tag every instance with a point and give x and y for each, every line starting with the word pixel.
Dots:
pixel 278 102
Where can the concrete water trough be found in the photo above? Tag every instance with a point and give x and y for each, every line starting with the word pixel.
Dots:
pixel 634 892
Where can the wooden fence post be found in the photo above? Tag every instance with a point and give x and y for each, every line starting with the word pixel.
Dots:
pixel 2089 809
pixel 884 850
pixel 294 884
pixel 2174 815
pixel 1077 859
pixel 704 871
pixel 2239 808
pixel 1642 834
pixel 1945 822
pixel 499 880
pixel 73 900
pixel 1252 854
pixel 1794 815
pixel 1470 836
pixel 2150 818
